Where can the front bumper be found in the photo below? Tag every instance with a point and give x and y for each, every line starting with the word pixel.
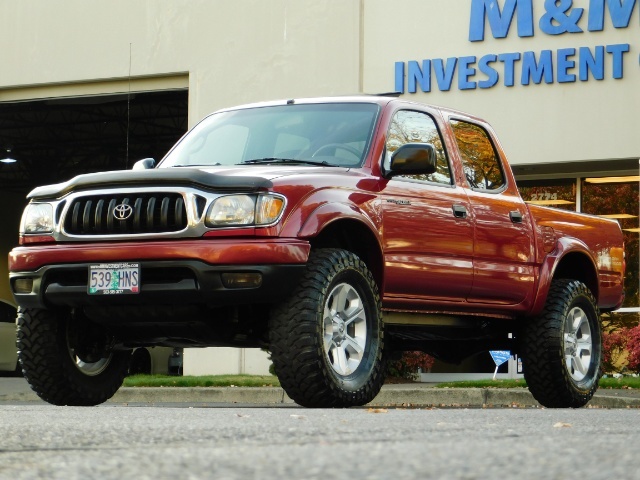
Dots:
pixel 172 272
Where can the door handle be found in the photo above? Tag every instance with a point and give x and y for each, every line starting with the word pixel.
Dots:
pixel 459 211
pixel 515 216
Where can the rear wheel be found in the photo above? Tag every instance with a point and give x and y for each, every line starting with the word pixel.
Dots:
pixel 327 339
pixel 562 347
pixel 140 362
pixel 68 362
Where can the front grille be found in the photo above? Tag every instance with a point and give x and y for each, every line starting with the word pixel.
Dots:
pixel 149 213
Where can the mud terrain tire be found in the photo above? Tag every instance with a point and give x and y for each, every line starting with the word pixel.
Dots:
pixel 327 339
pixel 52 368
pixel 562 347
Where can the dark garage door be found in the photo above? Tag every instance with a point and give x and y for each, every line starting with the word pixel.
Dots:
pixel 56 139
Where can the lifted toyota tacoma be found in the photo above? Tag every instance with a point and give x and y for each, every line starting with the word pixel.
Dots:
pixel 332 232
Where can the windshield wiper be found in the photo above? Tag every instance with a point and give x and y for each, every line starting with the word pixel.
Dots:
pixel 286 160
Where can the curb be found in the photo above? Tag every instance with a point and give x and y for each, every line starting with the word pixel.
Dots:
pixel 408 396
pixel 487 398
pixel 245 395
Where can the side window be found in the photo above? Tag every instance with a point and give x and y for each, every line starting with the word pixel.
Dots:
pixel 479 159
pixel 408 126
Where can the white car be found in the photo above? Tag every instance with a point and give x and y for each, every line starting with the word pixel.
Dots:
pixel 8 354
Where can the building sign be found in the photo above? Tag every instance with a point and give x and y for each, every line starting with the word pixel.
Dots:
pixel 564 65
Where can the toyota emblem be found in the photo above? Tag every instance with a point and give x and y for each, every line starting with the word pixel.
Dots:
pixel 122 211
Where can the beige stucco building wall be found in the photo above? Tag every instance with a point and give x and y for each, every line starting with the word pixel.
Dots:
pixel 226 361
pixel 233 52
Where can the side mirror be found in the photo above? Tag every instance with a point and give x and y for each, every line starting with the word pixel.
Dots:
pixel 144 164
pixel 413 159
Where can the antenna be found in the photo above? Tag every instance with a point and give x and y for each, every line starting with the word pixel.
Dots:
pixel 126 163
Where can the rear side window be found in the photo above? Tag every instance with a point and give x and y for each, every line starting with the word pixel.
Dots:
pixel 479 159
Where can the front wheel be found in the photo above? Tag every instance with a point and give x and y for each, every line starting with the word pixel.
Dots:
pixel 562 347
pixel 327 338
pixel 68 362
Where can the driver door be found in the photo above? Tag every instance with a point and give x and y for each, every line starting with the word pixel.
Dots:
pixel 428 234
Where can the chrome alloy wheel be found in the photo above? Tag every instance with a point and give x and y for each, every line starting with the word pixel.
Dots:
pixel 92 368
pixel 87 367
pixel 578 343
pixel 345 329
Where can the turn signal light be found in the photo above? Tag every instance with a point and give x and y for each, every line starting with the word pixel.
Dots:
pixel 23 285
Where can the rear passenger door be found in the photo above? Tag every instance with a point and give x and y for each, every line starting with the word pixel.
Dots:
pixel 503 249
pixel 427 236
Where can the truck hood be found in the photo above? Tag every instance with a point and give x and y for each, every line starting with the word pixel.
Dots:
pixel 249 178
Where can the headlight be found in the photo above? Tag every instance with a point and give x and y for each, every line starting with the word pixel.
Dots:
pixel 37 218
pixel 238 210
pixel 232 210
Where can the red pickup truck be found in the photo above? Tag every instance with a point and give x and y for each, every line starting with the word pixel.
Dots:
pixel 332 232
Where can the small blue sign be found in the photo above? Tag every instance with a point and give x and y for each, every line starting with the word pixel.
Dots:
pixel 500 356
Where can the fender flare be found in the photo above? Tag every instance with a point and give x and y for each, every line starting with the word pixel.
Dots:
pixel 564 247
pixel 328 213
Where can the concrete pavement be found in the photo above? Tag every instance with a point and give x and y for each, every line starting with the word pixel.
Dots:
pixel 16 390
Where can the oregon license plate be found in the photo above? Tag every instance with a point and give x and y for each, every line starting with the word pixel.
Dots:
pixel 114 279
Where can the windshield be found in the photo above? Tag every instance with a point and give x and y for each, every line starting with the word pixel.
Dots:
pixel 324 134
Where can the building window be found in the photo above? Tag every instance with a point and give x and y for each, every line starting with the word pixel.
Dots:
pixel 616 198
pixel 552 193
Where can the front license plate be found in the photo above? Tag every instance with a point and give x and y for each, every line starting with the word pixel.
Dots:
pixel 114 279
